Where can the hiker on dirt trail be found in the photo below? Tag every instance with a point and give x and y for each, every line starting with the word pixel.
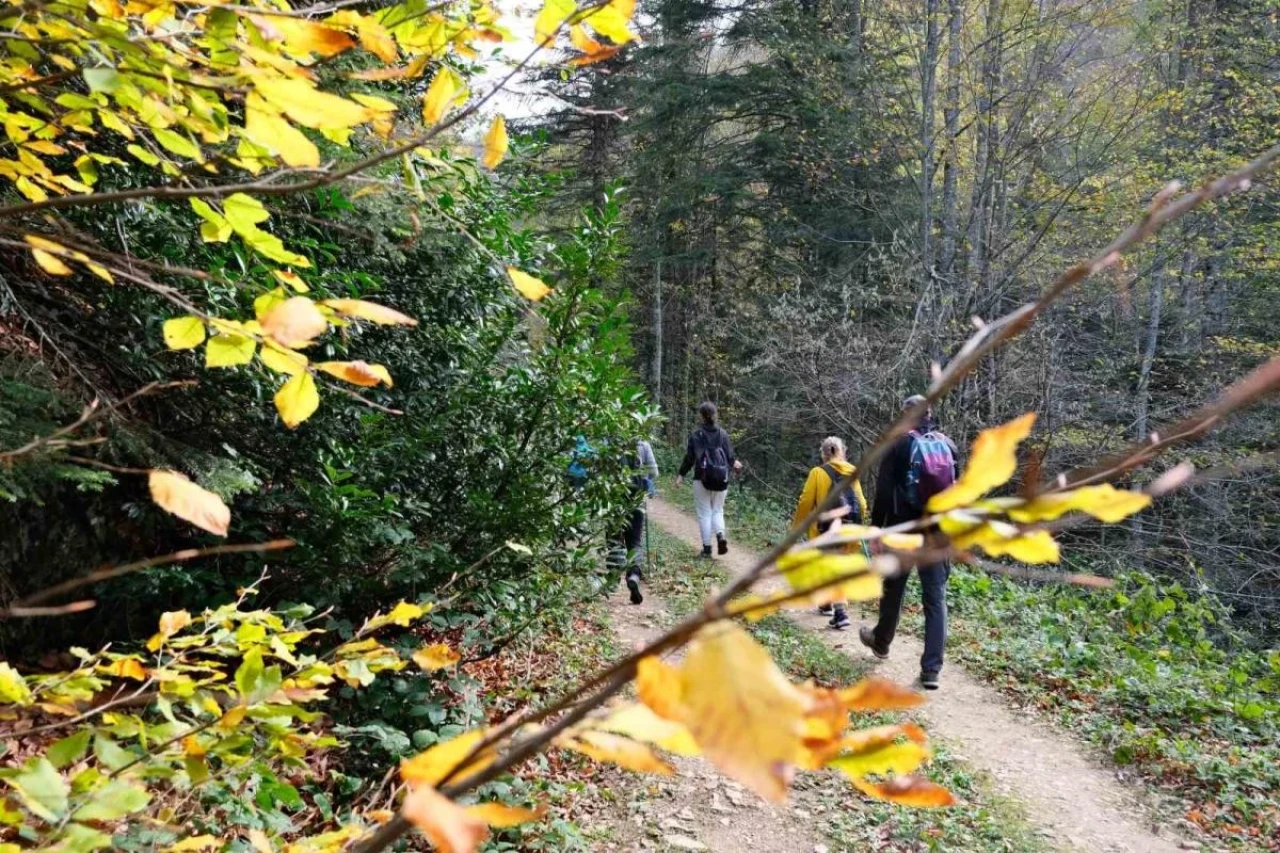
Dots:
pixel 917 467
pixel 822 479
pixel 626 544
pixel 710 456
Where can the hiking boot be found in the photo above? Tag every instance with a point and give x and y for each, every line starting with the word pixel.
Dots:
pixel 633 584
pixel 722 544
pixel 868 638
pixel 929 680
pixel 840 620
pixel 706 552
pixel 825 609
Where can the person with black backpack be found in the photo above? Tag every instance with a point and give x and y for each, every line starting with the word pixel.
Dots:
pixel 822 479
pixel 709 455
pixel 919 465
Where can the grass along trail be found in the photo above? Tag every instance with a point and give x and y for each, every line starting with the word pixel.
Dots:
pixel 1074 803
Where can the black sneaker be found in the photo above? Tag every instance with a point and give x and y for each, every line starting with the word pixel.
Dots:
pixel 868 638
pixel 825 609
pixel 633 584
pixel 722 545
pixel 706 552
pixel 840 620
pixel 929 680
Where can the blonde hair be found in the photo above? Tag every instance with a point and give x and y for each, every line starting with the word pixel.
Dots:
pixel 832 446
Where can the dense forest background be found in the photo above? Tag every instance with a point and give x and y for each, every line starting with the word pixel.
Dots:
pixel 823 196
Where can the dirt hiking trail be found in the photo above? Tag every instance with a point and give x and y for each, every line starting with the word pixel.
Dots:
pixel 698 809
pixel 1074 803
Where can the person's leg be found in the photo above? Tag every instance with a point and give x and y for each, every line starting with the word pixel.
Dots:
pixel 702 509
pixel 634 538
pixel 717 519
pixel 890 610
pixel 933 582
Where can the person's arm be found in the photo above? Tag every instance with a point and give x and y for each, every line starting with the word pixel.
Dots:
pixel 862 500
pixel 728 449
pixel 808 497
pixel 687 464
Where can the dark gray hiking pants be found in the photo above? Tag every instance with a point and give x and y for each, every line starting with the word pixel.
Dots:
pixel 933 584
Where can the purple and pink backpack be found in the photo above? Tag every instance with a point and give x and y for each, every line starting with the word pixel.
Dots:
pixel 932 468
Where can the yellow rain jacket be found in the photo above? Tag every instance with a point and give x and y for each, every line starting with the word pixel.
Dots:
pixel 816 488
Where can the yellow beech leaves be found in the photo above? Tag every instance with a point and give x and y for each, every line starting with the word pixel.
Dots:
pixel 530 287
pixel 495 143
pixel 176 494
pixel 297 399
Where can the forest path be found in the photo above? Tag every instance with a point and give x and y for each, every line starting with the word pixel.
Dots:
pixel 1076 803
pixel 699 809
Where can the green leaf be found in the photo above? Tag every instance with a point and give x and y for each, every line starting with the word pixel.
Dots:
pixel 102 79
pixel 111 755
pixel 113 801
pixel 142 154
pixel 176 142
pixel 42 788
pixel 69 750
pixel 255 681
pixel 81 839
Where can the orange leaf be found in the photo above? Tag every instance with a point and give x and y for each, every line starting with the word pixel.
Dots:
pixel 436 656
pixel 914 791
pixel 380 314
pixel 503 816
pixel 431 767
pixel 356 372
pixel 615 749
pixel 448 826
pixel 127 668
pixel 878 694
pixel 176 494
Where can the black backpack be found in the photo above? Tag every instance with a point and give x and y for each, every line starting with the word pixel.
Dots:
pixel 848 498
pixel 713 462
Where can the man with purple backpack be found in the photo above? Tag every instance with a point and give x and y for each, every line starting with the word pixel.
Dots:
pixel 921 464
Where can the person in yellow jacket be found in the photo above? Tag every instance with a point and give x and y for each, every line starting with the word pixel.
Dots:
pixel 834 468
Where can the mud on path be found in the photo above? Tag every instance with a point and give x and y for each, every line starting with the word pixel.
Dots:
pixel 1076 804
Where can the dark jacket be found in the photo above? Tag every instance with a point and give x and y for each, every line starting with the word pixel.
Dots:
pixel 713 436
pixel 891 505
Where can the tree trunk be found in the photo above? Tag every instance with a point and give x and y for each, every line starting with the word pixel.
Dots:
pixel 655 376
pixel 928 94
pixel 951 110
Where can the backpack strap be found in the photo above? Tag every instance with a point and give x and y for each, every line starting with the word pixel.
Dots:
pixel 831 472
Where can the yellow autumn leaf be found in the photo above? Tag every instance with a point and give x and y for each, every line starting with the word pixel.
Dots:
pixel 639 722
pixel 992 461
pixel 615 749
pixel 355 372
pixel 50 263
pixel 269 130
pixel 375 39
pixel 659 686
pixel 13 687
pixel 436 656
pixel 263 303
pixel 448 826
pixel 308 106
pixel 261 843
pixel 441 94
pixel 503 816
pixel 1104 502
pixel 292 280
pixel 495 143
pixel 1000 539
pixel 431 767
pixel 530 287
pixel 174 621
pixel 403 615
pixel 611 21
pixel 228 349
pixel 742 711
pixel 281 359
pixel 177 495
pixel 196 844
pixel 183 333
pixel 552 14
pixel 893 759
pixel 295 322
pixel 126 668
pixel 302 37
pixel 297 399
pixel 371 311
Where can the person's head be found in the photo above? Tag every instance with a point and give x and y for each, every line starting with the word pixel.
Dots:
pixel 708 412
pixel 832 449
pixel 925 419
